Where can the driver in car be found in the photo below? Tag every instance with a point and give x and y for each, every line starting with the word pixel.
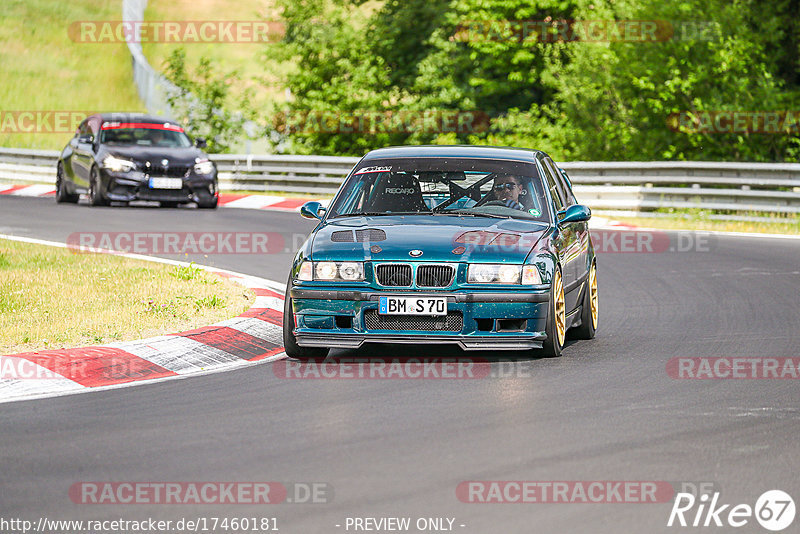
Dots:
pixel 157 138
pixel 507 189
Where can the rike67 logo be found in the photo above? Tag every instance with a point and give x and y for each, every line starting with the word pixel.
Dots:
pixel 774 510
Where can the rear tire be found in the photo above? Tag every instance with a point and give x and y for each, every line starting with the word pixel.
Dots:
pixel 293 350
pixel 589 308
pixel 556 318
pixel 96 197
pixel 62 195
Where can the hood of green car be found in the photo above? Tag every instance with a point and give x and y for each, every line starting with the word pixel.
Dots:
pixel 426 238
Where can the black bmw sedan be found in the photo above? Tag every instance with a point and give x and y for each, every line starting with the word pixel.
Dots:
pixel 117 157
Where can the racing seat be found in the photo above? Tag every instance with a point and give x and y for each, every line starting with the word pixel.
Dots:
pixel 397 192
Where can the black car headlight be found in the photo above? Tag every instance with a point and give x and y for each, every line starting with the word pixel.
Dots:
pixel 203 167
pixel 331 271
pixel 115 164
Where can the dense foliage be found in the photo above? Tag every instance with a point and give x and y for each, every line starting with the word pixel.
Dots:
pixel 614 97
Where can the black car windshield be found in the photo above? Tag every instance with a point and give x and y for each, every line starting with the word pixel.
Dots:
pixel 156 136
pixel 440 186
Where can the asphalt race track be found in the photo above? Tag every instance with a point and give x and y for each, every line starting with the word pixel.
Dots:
pixel 607 410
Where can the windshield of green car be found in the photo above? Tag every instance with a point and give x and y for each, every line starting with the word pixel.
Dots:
pixel 439 186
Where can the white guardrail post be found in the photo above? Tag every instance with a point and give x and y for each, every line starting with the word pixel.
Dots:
pixel 763 189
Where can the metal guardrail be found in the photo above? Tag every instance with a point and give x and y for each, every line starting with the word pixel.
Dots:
pixel 152 86
pixel 767 189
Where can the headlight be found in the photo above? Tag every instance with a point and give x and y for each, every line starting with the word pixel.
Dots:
pixel 326 270
pixel 489 273
pixel 348 271
pixel 118 165
pixel 508 274
pixel 531 275
pixel 203 167
pixel 351 271
pixel 306 271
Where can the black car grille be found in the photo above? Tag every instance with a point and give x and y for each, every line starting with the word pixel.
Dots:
pixel 166 195
pixel 452 322
pixel 435 275
pixel 178 171
pixel 396 275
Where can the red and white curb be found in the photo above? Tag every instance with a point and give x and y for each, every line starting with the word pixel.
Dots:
pixel 226 200
pixel 251 338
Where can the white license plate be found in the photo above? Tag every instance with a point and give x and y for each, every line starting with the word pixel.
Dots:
pixel 166 183
pixel 412 306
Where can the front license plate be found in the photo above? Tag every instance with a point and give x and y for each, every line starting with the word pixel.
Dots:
pixel 166 183
pixel 412 306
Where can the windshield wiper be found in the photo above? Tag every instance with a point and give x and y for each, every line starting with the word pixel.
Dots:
pixel 386 213
pixel 473 214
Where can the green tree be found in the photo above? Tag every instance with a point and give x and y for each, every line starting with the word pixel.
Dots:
pixel 616 99
pixel 203 101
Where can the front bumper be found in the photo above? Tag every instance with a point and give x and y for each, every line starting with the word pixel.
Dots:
pixel 487 320
pixel 127 187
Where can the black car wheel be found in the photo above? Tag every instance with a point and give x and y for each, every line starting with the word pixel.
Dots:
pixel 62 195
pixel 556 318
pixel 208 204
pixel 293 350
pixel 96 197
pixel 589 308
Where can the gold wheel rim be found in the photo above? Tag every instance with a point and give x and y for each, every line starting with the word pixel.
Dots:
pixel 560 308
pixel 593 294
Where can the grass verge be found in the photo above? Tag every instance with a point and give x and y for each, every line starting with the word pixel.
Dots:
pixel 248 59
pixel 44 69
pixel 691 221
pixel 53 298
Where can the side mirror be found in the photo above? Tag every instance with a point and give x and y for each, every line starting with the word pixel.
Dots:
pixel 576 213
pixel 200 142
pixel 312 210
pixel 86 139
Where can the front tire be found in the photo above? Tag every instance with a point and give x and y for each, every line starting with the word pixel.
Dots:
pixel 556 327
pixel 96 197
pixel 209 204
pixel 62 195
pixel 293 350
pixel 589 308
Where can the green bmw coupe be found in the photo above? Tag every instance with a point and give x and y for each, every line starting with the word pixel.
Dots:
pixel 482 247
